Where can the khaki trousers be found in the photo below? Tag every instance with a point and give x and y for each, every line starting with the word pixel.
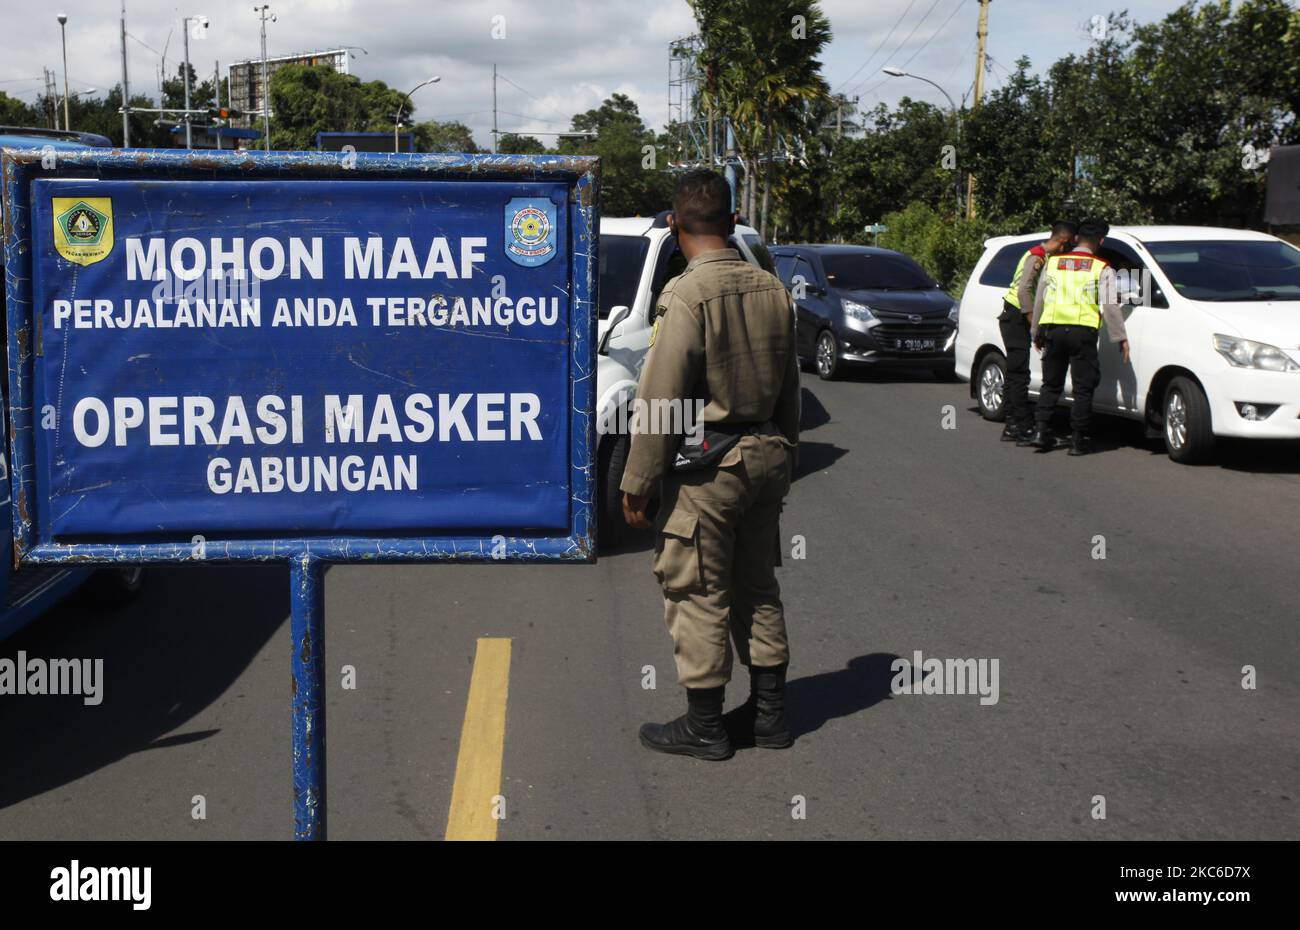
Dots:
pixel 717 545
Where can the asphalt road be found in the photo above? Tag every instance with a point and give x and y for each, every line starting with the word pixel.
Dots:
pixel 1119 678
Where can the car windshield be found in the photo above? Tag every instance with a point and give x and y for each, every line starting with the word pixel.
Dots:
pixel 761 253
pixel 1227 270
pixel 621 261
pixel 871 272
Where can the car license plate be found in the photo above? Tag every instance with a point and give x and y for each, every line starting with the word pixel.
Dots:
pixel 917 345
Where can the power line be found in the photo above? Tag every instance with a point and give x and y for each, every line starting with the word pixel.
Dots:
pixel 887 37
pixel 518 88
pixel 943 26
pixel 535 119
pixel 920 22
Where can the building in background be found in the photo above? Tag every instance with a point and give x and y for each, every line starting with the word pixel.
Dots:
pixel 246 92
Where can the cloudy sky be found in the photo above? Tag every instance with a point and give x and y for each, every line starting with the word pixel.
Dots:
pixel 556 58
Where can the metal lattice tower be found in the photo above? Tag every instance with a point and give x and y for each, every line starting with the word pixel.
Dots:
pixel 688 128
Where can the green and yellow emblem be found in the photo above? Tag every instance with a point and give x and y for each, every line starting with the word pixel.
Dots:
pixel 83 228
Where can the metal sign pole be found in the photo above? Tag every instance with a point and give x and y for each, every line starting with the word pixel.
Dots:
pixel 307 631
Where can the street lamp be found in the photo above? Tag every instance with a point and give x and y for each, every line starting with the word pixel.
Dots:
pixel 185 26
pixel 956 114
pixel 406 98
pixel 63 32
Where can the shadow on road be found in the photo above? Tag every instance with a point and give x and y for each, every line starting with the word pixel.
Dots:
pixel 817 699
pixel 890 374
pixel 814 456
pixel 165 658
pixel 812 412
pixel 1110 433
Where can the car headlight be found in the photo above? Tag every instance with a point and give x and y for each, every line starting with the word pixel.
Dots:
pixel 856 310
pixel 1244 353
pixel 955 313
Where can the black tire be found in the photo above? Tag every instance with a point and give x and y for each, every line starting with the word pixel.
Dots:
pixel 827 359
pixel 990 387
pixel 610 462
pixel 1189 436
pixel 113 587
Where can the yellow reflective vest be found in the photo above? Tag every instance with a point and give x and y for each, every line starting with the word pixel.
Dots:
pixel 1072 294
pixel 1012 296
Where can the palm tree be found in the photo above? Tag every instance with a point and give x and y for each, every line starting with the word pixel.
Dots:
pixel 761 69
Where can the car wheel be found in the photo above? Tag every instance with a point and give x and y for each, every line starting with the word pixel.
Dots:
pixel 990 389
pixel 828 356
pixel 1188 436
pixel 609 515
pixel 113 587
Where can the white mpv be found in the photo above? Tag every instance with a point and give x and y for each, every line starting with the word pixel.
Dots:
pixel 1213 319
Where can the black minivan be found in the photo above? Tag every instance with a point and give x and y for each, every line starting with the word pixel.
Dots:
pixel 862 305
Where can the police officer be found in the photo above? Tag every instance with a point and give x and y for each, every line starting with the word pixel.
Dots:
pixel 1076 290
pixel 1017 308
pixel 724 336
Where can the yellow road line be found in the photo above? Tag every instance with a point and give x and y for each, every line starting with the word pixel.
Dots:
pixel 475 796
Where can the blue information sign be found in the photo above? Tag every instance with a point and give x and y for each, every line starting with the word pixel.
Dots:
pixel 341 350
pixel 306 357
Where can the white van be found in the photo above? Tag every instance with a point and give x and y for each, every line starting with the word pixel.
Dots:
pixel 1213 319
pixel 637 258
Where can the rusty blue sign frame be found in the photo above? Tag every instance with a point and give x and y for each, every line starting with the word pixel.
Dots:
pixel 306 556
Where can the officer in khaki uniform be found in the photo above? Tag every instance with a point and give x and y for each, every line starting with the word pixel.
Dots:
pixel 724 335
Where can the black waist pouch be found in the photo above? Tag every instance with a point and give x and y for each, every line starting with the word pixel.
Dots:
pixel 718 438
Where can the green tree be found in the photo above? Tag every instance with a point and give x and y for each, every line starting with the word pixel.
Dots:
pixel 947 248
pixel 761 69
pixel 308 99
pixel 634 180
pixel 433 136
pixel 13 112
pixel 899 160
pixel 510 143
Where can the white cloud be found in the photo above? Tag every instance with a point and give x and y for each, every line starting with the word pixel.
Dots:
pixel 569 54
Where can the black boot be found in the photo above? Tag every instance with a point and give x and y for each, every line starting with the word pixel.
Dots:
pixel 698 733
pixel 1042 439
pixel 1079 444
pixel 760 721
pixel 770 728
pixel 1012 431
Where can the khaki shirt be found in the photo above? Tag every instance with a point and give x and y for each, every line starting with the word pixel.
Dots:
pixel 724 335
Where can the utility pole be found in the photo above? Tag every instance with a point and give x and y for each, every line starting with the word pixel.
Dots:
pixel 216 97
pixel 51 99
pixel 185 28
pixel 983 37
pixel 126 89
pixel 63 31
pixel 262 11
pixel 494 108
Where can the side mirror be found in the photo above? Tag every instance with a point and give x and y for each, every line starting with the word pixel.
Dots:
pixel 616 318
